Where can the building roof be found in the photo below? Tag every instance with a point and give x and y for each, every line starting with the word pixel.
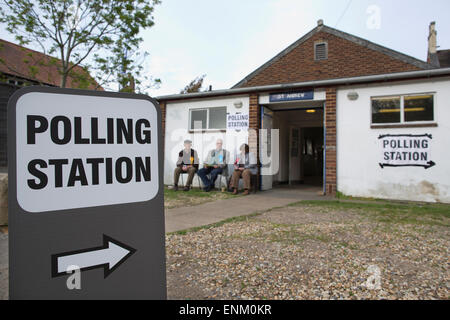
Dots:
pixel 401 76
pixel 38 67
pixel 340 34
pixel 444 58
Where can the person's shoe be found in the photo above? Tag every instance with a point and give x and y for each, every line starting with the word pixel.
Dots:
pixel 208 188
pixel 175 187
pixel 246 193
pixel 187 188
pixel 235 191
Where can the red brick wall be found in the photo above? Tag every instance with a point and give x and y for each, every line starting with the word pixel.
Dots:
pixel 345 59
pixel 254 115
pixel 330 125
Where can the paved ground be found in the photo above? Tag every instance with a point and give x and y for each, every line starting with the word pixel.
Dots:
pixel 188 217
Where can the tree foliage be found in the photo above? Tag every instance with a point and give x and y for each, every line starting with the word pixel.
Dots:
pixel 194 86
pixel 100 35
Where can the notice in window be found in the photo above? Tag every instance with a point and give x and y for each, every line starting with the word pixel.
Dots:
pixel 406 151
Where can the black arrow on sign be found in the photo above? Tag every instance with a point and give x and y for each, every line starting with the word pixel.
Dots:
pixel 109 256
pixel 427 166
pixel 406 135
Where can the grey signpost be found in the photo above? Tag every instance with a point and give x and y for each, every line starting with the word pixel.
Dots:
pixel 86 200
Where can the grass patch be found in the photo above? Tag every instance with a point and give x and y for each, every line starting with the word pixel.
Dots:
pixel 342 196
pixel 195 196
pixel 390 212
pixel 217 224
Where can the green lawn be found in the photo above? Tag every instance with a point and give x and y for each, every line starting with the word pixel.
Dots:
pixel 390 211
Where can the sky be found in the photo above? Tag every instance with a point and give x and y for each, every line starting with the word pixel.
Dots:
pixel 227 40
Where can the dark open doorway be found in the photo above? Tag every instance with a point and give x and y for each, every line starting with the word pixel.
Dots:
pixel 301 146
pixel 312 156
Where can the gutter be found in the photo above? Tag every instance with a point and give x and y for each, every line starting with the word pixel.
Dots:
pixel 317 83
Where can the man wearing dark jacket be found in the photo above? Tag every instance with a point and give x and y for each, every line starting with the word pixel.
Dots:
pixel 187 163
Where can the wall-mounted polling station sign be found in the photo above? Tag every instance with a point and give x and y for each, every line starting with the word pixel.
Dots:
pixel 86 212
pixel 238 121
pixel 406 150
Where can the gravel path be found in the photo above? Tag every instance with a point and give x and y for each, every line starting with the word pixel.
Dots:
pixel 308 252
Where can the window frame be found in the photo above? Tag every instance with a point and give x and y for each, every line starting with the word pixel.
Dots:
pixel 402 122
pixel 207 119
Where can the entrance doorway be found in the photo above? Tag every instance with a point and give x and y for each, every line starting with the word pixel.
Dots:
pixel 301 146
pixel 312 156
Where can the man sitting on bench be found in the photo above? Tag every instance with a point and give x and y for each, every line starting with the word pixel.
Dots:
pixel 214 165
pixel 244 166
pixel 187 163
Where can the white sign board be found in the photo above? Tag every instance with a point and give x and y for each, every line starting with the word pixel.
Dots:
pixel 237 121
pixel 405 151
pixel 79 151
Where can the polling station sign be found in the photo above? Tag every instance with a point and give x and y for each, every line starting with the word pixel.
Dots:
pixel 86 194
pixel 238 121
pixel 406 150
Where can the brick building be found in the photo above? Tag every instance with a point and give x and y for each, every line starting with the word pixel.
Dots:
pixel 19 67
pixel 312 93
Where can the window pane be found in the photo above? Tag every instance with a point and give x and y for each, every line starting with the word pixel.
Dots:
pixel 218 118
pixel 419 108
pixel 198 116
pixel 386 110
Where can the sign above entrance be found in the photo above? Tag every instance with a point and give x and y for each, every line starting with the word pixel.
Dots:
pixel 292 96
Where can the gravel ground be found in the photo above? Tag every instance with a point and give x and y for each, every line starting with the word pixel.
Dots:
pixel 3 264
pixel 312 252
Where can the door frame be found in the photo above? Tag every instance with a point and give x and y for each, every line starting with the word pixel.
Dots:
pixel 261 117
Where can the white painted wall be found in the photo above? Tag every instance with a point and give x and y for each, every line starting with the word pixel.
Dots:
pixel 177 130
pixel 358 154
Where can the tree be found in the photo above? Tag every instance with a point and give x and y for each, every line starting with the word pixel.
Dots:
pixel 194 86
pixel 95 34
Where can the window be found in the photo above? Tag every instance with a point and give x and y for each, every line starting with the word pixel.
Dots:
pixel 321 51
pixel 386 110
pixel 208 119
pixel 198 116
pixel 419 108
pixel 403 109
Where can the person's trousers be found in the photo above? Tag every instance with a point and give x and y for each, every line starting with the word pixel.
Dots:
pixel 190 173
pixel 204 172
pixel 237 174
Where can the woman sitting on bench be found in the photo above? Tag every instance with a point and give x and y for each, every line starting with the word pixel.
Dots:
pixel 244 166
